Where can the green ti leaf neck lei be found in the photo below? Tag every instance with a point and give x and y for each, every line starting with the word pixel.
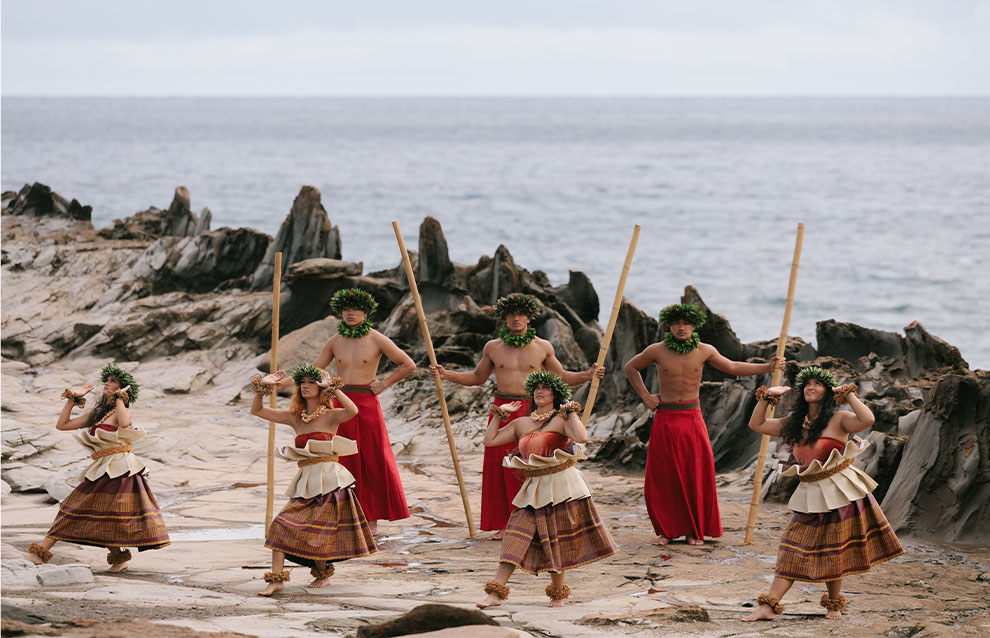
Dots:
pixel 356 332
pixel 516 341
pixel 681 347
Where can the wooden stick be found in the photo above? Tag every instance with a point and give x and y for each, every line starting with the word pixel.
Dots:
pixel 439 383
pixel 270 501
pixel 607 339
pixel 754 503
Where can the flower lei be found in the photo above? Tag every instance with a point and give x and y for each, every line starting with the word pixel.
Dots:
pixel 516 341
pixel 356 332
pixel 681 347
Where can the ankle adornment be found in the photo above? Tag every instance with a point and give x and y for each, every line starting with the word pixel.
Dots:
pixel 277 577
pixel 40 552
pixel 558 593
pixel 326 572
pixel 494 587
pixel 771 602
pixel 119 557
pixel 833 604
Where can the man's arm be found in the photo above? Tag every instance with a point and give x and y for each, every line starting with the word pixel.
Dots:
pixel 478 376
pixel 395 355
pixel 637 363
pixel 553 364
pixel 740 368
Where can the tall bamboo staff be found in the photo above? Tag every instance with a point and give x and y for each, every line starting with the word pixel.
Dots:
pixel 754 504
pixel 607 339
pixel 433 361
pixel 270 501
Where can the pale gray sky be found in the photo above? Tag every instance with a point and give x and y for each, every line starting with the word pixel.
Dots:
pixel 513 47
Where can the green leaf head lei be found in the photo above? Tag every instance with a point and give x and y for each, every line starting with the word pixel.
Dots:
pixel 550 380
pixel 517 303
pixel 124 378
pixel 352 298
pixel 307 371
pixel 814 372
pixel 683 312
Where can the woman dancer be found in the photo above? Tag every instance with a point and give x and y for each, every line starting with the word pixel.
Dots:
pixel 556 526
pixel 837 527
pixel 322 522
pixel 113 506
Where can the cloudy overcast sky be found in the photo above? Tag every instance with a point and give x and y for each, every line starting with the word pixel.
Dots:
pixel 510 47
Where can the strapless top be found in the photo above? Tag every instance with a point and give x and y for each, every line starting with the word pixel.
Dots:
pixel 817 451
pixel 312 436
pixel 541 443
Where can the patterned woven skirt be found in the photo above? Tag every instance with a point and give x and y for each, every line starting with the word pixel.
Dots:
pixel 818 548
pixel 328 527
pixel 119 512
pixel 556 537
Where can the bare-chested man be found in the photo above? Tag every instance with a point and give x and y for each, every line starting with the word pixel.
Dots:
pixel 680 467
pixel 357 349
pixel 516 353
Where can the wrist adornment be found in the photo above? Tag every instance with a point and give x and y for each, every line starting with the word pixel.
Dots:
pixel 500 412
pixel 841 394
pixel 763 394
pixel 260 387
pixel 569 408
pixel 71 396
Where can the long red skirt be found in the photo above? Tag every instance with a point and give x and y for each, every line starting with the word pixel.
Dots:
pixel 118 512
pixel 499 485
pixel 376 476
pixel 680 476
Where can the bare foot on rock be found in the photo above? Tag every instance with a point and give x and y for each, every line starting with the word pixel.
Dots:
pixel 319 582
pixel 760 613
pixel 373 526
pixel 271 589
pixel 119 567
pixel 492 601
pixel 691 540
pixel 497 536
pixel 833 615
pixel 556 603
pixel 661 540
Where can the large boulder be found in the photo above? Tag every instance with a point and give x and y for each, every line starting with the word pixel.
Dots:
pixel 39 200
pixel 427 618
pixel 434 260
pixel 910 356
pixel 306 233
pixel 942 486
pixel 178 220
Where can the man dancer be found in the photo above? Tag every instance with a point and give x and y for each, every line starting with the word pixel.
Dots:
pixel 680 467
pixel 358 348
pixel 512 357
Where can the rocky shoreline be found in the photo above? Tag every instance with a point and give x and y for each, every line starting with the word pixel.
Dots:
pixel 189 309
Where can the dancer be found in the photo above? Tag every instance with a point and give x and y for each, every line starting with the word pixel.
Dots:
pixel 322 523
pixel 555 526
pixel 837 528
pixel 516 353
pixel 680 467
pixel 113 506
pixel 358 348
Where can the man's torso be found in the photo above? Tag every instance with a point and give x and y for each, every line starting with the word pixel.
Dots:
pixel 513 365
pixel 680 374
pixel 357 359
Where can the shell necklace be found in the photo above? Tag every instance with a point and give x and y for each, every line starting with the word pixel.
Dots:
pixel 308 418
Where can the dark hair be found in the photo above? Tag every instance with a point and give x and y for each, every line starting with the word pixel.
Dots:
pixel 101 409
pixel 793 433
pixel 557 399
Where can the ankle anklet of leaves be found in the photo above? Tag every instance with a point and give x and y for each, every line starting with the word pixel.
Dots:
pixel 558 593
pixel 494 587
pixel 681 347
pixel 356 332
pixel 833 604
pixel 516 341
pixel 277 577
pixel 771 602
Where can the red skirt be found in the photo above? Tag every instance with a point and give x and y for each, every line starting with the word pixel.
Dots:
pixel 376 476
pixel 499 485
pixel 329 527
pixel 118 512
pixel 680 476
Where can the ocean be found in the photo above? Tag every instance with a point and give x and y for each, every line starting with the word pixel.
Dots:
pixel 895 192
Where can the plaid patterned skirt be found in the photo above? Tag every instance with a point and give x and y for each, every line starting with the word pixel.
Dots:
pixel 556 537
pixel 118 512
pixel 328 527
pixel 818 548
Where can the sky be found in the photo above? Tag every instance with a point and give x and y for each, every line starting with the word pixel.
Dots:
pixel 510 47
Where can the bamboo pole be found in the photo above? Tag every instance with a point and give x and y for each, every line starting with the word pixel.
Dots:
pixel 607 339
pixel 754 503
pixel 439 383
pixel 270 500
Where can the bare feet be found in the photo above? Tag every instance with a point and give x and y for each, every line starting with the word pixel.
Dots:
pixel 762 612
pixel 556 603
pixel 271 589
pixel 833 615
pixel 691 540
pixel 119 567
pixel 373 526
pixel 319 582
pixel 661 540
pixel 493 600
pixel 497 536
pixel 34 558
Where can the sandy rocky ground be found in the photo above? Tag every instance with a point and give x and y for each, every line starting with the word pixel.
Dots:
pixel 206 457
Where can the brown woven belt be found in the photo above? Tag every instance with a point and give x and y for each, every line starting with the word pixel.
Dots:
pixel 356 389
pixel 320 459
pixel 675 407
pixel 821 476
pixel 99 454
pixel 553 469
pixel 508 396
